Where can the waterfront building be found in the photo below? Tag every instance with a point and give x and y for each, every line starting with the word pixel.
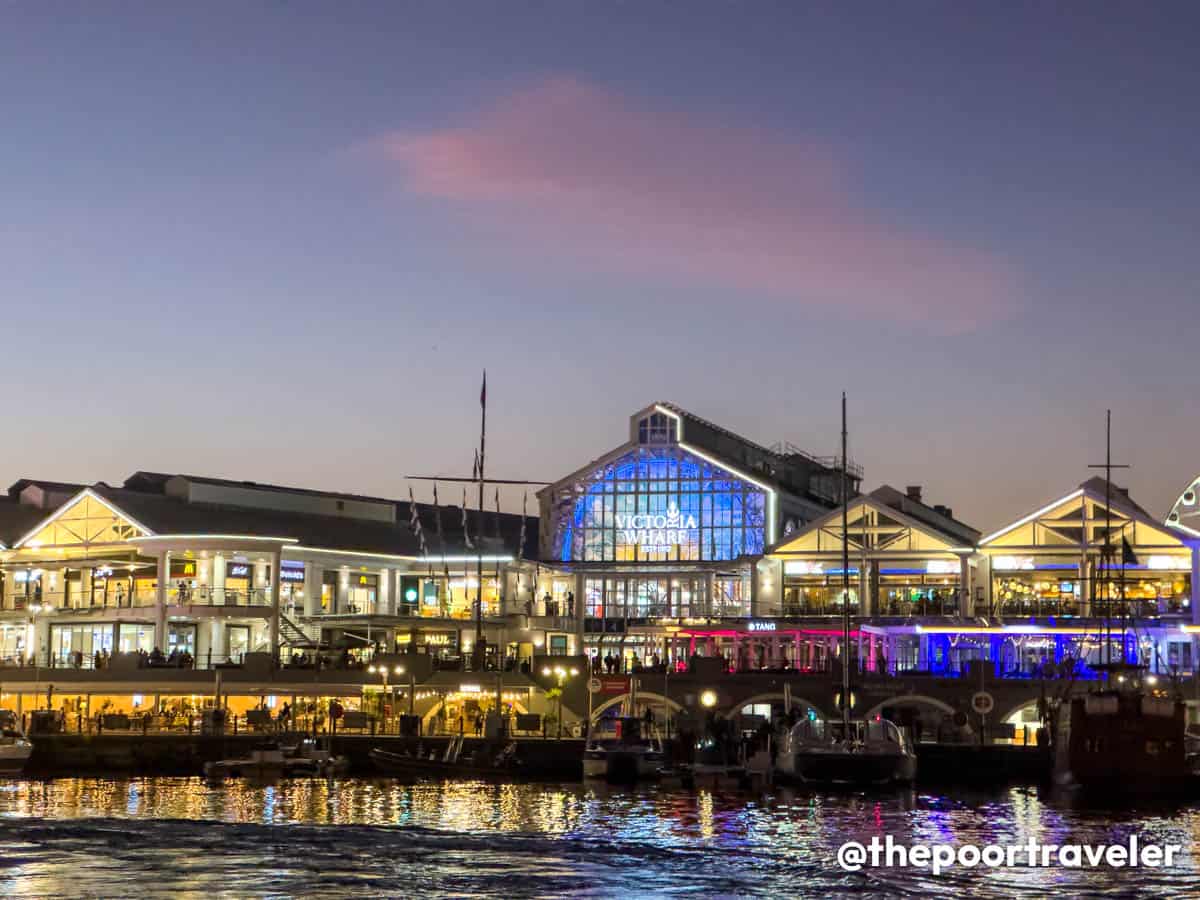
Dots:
pixel 657 541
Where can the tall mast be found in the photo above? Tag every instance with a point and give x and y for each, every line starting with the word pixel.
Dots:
pixel 479 529
pixel 1106 557
pixel 845 583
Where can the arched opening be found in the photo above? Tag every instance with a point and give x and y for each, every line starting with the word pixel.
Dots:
pixel 1025 722
pixel 922 715
pixel 656 703
pixel 771 706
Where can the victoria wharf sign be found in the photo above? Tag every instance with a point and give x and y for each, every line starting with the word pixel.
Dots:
pixel 657 532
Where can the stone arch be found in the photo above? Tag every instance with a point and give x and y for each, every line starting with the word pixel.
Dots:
pixel 659 699
pixel 778 695
pixel 910 700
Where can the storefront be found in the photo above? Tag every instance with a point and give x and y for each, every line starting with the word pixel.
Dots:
pixel 907 560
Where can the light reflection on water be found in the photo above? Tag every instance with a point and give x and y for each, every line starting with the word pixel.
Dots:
pixel 76 837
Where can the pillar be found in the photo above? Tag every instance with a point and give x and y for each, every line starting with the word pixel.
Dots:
pixel 579 604
pixel 218 580
pixel 276 564
pixel 966 597
pixel 314 576
pixel 217 645
pixel 341 596
pixel 867 600
pixel 160 606
pixel 383 599
pixel 1195 584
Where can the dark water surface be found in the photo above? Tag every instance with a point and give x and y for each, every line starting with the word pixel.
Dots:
pixel 178 837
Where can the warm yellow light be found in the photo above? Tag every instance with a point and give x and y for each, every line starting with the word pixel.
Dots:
pixel 371 669
pixel 399 670
pixel 574 671
pixel 708 699
pixel 546 671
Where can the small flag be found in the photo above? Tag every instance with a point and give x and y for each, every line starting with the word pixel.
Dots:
pixel 466 530
pixel 521 539
pixel 1128 557
pixel 414 522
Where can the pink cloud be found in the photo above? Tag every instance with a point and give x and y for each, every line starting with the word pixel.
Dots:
pixel 574 170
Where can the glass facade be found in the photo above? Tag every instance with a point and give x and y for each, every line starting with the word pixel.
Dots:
pixel 659 504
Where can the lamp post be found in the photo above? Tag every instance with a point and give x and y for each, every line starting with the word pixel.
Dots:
pixel 561 675
pixel 383 672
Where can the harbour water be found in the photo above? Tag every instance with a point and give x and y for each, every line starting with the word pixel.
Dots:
pixel 179 837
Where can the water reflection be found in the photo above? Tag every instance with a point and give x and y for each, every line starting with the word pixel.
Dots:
pixel 73 836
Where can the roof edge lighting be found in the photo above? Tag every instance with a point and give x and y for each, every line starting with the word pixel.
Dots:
pixel 213 537
pixel 1029 518
pixel 86 492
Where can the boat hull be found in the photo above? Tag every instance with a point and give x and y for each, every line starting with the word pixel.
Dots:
pixel 13 759
pixel 622 766
pixel 853 768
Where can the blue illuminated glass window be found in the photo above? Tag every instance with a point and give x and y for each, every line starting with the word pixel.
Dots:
pixel 659 504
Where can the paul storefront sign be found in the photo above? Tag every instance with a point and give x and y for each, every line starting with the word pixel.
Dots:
pixel 658 533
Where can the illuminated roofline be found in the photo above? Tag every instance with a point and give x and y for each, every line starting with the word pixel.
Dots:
pixel 1029 518
pixel 86 492
pixel 1003 629
pixel 213 537
pixel 772 500
pixel 431 558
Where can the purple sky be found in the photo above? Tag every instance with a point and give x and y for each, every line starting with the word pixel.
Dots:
pixel 279 241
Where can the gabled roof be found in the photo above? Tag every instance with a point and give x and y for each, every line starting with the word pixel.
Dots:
pixel 159 514
pixel 887 530
pixel 1078 520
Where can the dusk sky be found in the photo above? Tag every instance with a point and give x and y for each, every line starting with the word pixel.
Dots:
pixel 279 241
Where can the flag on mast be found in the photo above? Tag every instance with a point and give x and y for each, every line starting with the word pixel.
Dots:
pixel 466 530
pixel 437 519
pixel 414 522
pixel 521 539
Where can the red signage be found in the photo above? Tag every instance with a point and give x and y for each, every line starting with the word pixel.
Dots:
pixel 614 684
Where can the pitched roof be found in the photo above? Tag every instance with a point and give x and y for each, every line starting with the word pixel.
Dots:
pixel 170 515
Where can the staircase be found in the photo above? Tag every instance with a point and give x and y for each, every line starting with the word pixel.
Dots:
pixel 302 637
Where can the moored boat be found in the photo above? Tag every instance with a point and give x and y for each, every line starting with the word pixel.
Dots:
pixel 15 748
pixel 624 757
pixel 876 752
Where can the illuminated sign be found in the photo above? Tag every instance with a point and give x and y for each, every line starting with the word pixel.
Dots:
pixel 1177 563
pixel 658 533
pixel 239 570
pixel 799 567
pixel 291 574
pixel 942 567
pixel 761 626
pixel 1013 563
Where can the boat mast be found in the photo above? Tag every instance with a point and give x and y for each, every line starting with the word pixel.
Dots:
pixel 845 584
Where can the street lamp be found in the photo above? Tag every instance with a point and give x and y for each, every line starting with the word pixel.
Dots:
pixel 561 675
pixel 708 699
pixel 383 672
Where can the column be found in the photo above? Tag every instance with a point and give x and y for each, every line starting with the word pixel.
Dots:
pixel 276 564
pixel 867 600
pixel 1195 586
pixel 218 580
pixel 314 576
pixel 383 599
pixel 966 598
pixel 341 596
pixel 216 641
pixel 579 604
pixel 160 606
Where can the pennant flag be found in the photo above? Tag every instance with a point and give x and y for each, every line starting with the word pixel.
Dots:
pixel 414 522
pixel 466 530
pixel 1128 557
pixel 521 539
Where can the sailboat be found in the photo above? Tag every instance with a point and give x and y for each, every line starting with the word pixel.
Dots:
pixel 1128 736
pixel 856 753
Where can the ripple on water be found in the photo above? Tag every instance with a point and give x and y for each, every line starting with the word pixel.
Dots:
pixel 179 837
